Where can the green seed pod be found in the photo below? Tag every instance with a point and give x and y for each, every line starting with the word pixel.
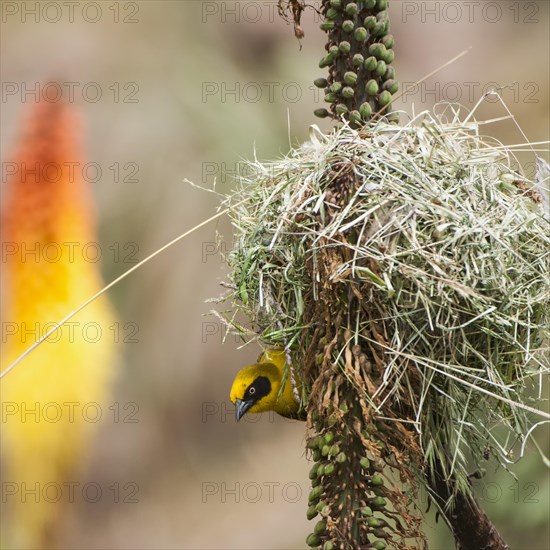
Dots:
pixel 365 463
pixel 348 25
pixel 372 87
pixel 373 522
pixel 329 545
pixel 316 482
pixel 366 511
pixel 325 62
pixel 320 527
pixel 358 60
pixel 350 78
pixel 336 87
pixel 313 471
pixel 312 443
pixel 320 507
pixel 321 82
pixel 379 502
pixel 365 110
pixel 370 22
pixel 344 407
pixel 379 29
pixel 370 63
pixel 327 25
pixel 332 13
pixel 336 3
pixel 320 470
pixel 313 540
pixel 345 47
pixel 379 545
pixel 329 438
pixel 381 68
pixel 381 4
pixel 377 480
pixel 361 34
pixel 382 15
pixel 348 92
pixel 334 51
pixel 319 359
pixel 388 41
pixel 311 512
pixel 392 86
pixel 390 56
pixel 326 449
pixel 334 450
pixel 341 458
pixel 329 468
pixel 314 494
pixel 369 4
pixel 384 98
pixel 390 74
pixel 330 97
pixel 355 116
pixel 352 9
pixel 316 455
pixel 378 50
pixel 341 109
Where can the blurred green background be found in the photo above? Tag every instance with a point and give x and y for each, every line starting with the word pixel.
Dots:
pixel 189 89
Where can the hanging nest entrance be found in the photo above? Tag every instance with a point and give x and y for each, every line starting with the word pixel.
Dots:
pixel 405 271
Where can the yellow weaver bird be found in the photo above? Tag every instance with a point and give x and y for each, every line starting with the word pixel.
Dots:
pixel 259 387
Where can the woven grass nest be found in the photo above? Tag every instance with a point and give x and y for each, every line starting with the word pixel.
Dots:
pixel 405 269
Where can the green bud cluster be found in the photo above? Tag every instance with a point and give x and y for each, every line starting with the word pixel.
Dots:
pixel 347 485
pixel 359 44
pixel 328 458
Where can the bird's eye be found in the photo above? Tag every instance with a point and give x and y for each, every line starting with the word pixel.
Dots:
pixel 252 390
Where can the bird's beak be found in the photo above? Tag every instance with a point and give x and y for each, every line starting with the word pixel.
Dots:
pixel 241 407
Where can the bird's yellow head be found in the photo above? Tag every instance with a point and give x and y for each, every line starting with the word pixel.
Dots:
pixel 257 388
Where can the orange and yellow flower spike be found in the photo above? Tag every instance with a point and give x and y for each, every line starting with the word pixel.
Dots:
pixel 49 267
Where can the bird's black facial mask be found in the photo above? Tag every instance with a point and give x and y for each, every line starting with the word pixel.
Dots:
pixel 256 391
